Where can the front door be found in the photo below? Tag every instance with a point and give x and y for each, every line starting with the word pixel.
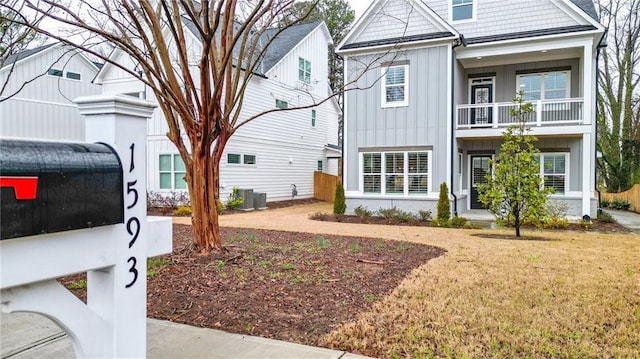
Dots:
pixel 480 167
pixel 481 94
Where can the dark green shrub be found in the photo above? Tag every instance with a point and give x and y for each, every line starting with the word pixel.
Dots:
pixel 606 217
pixel 444 207
pixel 339 202
pixel 604 203
pixel 404 216
pixel 458 222
pixel 362 212
pixel 387 213
pixel 619 203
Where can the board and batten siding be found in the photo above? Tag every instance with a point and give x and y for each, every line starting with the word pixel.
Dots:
pixel 495 17
pixel 44 108
pixel 422 123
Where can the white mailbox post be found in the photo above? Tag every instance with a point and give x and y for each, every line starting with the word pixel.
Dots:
pixel 113 322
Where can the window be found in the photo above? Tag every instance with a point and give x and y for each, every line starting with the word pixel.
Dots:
pixel 394 86
pixel 544 86
pixel 320 165
pixel 54 72
pixel 461 10
pixel 372 172
pixel 403 173
pixel 249 159
pixel 313 118
pixel 554 171
pixel 73 76
pixel 281 104
pixel 172 172
pixel 304 70
pixel 233 158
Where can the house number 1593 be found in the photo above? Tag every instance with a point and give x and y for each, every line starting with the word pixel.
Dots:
pixel 133 223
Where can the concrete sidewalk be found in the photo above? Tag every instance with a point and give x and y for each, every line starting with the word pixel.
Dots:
pixel 628 219
pixel 25 335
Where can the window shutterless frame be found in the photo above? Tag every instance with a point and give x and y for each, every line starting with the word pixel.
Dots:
pixel 395 86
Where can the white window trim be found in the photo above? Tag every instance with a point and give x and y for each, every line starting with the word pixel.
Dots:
pixel 483 81
pixel 234 164
pixel 249 164
pixel 241 163
pixel 542 89
pixel 474 11
pixel 172 172
pixel 383 183
pixel 567 167
pixel 314 118
pixel 383 89
pixel 64 75
pixel 304 70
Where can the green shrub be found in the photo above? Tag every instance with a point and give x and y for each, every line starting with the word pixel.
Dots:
pixel 444 207
pixel 458 222
pixel 182 211
pixel 404 216
pixel 472 225
pixel 339 202
pixel 220 207
pixel 556 208
pixel 606 217
pixel 362 212
pixel 424 215
pixel 387 213
pixel 586 224
pixel 604 203
pixel 555 223
pixel 619 203
pixel 234 200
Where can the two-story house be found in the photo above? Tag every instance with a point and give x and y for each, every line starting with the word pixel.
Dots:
pixel 435 81
pixel 273 152
pixel 40 85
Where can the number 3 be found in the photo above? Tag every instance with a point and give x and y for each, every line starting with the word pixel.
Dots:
pixel 132 270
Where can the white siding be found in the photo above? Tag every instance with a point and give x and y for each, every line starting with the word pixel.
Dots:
pixel 44 108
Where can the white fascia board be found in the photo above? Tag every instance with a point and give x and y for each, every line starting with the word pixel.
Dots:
pixel 495 133
pixel 400 46
pixel 356 30
pixel 577 13
pixel 113 56
pixel 508 47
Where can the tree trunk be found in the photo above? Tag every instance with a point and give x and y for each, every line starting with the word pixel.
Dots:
pixel 204 194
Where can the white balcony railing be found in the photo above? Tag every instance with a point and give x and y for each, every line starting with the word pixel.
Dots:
pixel 545 113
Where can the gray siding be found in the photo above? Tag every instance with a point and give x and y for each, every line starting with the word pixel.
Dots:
pixel 506 81
pixel 422 123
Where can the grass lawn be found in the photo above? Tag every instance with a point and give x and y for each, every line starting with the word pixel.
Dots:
pixel 574 295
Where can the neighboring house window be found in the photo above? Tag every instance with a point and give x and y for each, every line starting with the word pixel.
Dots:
pixel 461 10
pixel 249 159
pixel 73 76
pixel 554 171
pixel 304 70
pixel 313 118
pixel 233 158
pixel 320 165
pixel 172 172
pixel 544 86
pixel 395 85
pixel 402 173
pixel 55 72
pixel 237 159
pixel 281 104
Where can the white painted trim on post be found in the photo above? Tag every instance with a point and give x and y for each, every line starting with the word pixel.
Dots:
pixel 587 161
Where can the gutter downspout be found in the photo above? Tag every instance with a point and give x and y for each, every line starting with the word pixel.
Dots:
pixel 456 43
pixel 595 167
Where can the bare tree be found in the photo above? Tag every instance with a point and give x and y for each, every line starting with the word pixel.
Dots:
pixel 201 95
pixel 618 106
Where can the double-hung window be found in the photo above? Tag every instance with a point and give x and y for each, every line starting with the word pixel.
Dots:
pixel 304 70
pixel 553 169
pixel 462 10
pixel 172 172
pixel 395 85
pixel 396 173
pixel 545 85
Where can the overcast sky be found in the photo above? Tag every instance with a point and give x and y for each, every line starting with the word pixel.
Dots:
pixel 359 6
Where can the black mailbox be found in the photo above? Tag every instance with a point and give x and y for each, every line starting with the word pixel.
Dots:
pixel 51 187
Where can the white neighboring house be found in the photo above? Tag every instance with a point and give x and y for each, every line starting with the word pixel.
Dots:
pixel 273 152
pixel 53 76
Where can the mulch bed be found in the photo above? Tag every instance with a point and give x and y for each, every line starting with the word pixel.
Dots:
pixel 283 285
pixel 168 211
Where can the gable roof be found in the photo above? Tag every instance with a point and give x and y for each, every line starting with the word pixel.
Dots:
pixel 26 53
pixel 588 7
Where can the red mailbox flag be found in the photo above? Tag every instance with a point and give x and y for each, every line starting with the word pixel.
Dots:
pixel 25 187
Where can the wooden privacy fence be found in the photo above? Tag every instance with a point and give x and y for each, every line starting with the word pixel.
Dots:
pixel 632 196
pixel 324 186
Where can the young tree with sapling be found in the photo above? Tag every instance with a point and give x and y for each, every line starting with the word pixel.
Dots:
pixel 515 191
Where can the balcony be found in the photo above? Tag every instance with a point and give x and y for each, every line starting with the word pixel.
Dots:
pixel 498 115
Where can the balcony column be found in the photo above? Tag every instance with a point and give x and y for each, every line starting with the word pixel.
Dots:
pixel 588 85
pixel 587 173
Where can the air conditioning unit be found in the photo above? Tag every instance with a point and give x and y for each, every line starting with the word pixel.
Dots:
pixel 247 199
pixel 259 200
